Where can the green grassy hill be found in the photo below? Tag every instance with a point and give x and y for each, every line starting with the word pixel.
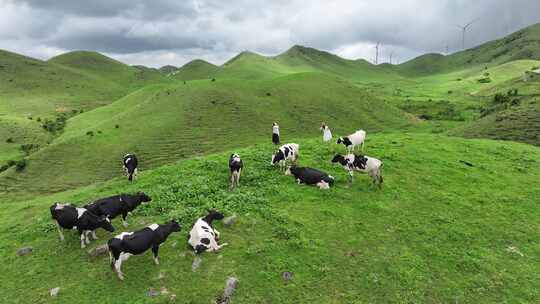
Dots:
pixel 107 68
pixel 196 69
pixel 164 123
pixel 521 45
pixel 428 236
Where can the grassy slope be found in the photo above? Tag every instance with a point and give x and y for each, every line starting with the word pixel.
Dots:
pixel 523 44
pixel 164 123
pixel 438 232
pixel 21 131
pixel 196 69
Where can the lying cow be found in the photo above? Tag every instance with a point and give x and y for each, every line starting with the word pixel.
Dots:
pixel 310 176
pixel 67 216
pixel 126 244
pixel 130 164
pixel 119 204
pixel 353 140
pixel 286 154
pixel 361 163
pixel 203 236
pixel 235 165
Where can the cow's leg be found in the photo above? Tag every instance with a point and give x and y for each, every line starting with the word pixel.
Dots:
pixel 216 234
pixel 351 173
pixel 94 235
pixel 118 264
pixel 124 216
pixel 87 236
pixel 238 177
pixel 83 243
pixel 323 185
pixel 155 250
pixel 232 180
pixel 60 231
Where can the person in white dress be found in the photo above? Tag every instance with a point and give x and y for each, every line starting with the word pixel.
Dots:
pixel 275 133
pixel 327 134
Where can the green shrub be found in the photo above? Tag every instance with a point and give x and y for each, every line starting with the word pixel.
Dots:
pixel 90 133
pixel 117 126
pixel 29 148
pixel 484 80
pixel 9 140
pixel 20 164
pixel 56 125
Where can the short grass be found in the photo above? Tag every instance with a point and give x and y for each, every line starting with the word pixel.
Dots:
pixel 438 232
pixel 167 122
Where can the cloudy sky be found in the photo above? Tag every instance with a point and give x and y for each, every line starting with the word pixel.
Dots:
pixel 160 32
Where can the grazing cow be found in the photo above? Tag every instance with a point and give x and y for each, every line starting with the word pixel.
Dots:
pixel 203 236
pixel 310 176
pixel 287 153
pixel 275 133
pixel 126 244
pixel 113 206
pixel 130 164
pixel 69 217
pixel 235 165
pixel 361 163
pixel 353 140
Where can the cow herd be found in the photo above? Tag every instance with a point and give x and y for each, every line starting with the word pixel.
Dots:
pixel 203 236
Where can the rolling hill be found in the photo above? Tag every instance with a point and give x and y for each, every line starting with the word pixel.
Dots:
pixel 521 45
pixel 167 122
pixel 196 69
pixel 428 236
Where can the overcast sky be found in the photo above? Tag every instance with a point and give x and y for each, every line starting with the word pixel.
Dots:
pixel 159 32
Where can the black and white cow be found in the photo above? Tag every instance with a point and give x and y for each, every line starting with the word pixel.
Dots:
pixel 130 164
pixel 126 244
pixel 361 163
pixel 235 165
pixel 310 176
pixel 353 140
pixel 203 236
pixel 113 206
pixel 67 216
pixel 286 154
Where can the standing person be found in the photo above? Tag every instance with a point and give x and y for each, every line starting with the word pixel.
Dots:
pixel 275 133
pixel 327 135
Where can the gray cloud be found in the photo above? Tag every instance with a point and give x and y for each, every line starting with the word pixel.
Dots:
pixel 172 32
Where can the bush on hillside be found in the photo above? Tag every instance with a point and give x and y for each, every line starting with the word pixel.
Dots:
pixel 500 102
pixel 56 125
pixel 90 133
pixel 20 164
pixel 29 148
pixel 484 80
pixel 117 126
pixel 439 110
pixel 9 140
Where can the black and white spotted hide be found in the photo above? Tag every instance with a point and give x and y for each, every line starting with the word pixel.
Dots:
pixel 310 176
pixel 126 244
pixel 203 236
pixel 130 164
pixel 287 154
pixel 85 222
pixel 235 166
pixel 361 163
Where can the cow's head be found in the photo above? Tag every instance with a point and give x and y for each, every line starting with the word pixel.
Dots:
pixel 338 158
pixel 213 215
pixel 277 157
pixel 339 140
pixel 290 170
pixel 144 197
pixel 175 226
pixel 105 223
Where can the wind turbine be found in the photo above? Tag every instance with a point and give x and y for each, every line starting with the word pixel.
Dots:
pixel 377 53
pixel 391 54
pixel 464 29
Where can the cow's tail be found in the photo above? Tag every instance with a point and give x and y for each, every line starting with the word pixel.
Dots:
pixel 130 176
